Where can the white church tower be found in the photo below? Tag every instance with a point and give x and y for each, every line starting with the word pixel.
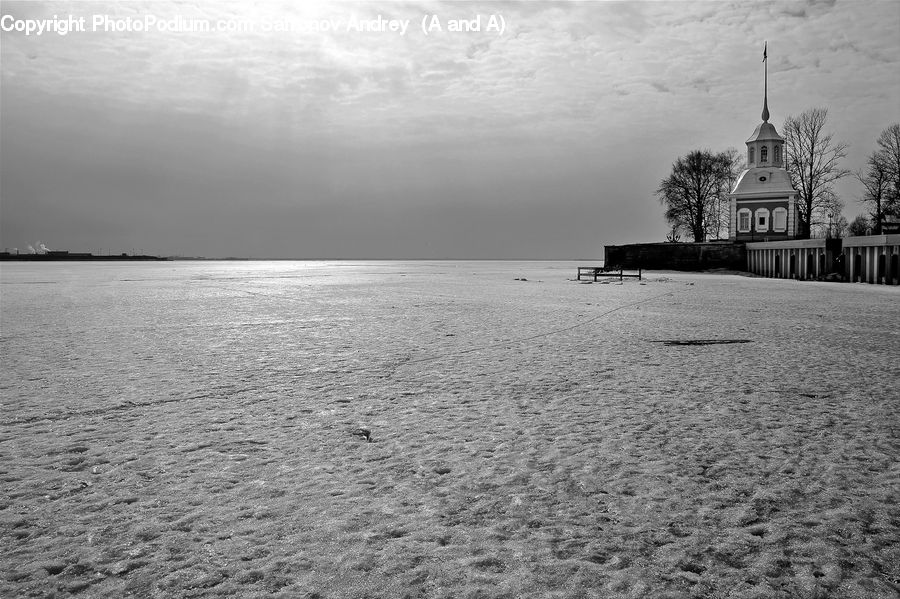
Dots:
pixel 763 202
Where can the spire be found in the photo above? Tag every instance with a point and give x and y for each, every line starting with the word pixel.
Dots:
pixel 765 112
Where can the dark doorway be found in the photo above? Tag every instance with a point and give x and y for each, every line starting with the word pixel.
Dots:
pixel 777 265
pixel 895 269
pixel 821 264
pixel 881 269
pixel 857 267
pixel 810 266
pixel 792 267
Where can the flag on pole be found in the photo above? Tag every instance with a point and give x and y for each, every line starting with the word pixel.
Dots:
pixel 765 48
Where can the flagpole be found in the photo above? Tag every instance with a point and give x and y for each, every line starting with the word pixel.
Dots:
pixel 765 112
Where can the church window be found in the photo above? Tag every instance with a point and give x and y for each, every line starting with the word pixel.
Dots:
pixel 764 154
pixel 751 155
pixel 779 220
pixel 762 220
pixel 743 218
pixel 777 150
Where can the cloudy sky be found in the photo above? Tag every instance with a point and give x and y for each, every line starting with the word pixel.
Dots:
pixel 545 139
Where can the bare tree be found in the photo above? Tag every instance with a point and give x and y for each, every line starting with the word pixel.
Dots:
pixel 811 159
pixel 829 222
pixel 675 235
pixel 694 190
pixel 889 150
pixel 720 213
pixel 859 226
pixel 840 227
pixel 889 155
pixel 877 183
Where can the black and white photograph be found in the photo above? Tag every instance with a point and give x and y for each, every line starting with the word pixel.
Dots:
pixel 439 299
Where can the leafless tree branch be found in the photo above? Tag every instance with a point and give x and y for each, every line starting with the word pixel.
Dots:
pixel 812 159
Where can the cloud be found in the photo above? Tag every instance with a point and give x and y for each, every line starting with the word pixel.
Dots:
pixel 700 84
pixel 793 11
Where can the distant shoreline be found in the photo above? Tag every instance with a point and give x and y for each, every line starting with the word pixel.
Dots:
pixel 66 257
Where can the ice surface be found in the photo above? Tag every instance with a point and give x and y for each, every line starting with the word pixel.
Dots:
pixel 193 430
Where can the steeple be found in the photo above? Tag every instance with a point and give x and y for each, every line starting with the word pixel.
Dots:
pixel 765 112
pixel 763 201
pixel 765 148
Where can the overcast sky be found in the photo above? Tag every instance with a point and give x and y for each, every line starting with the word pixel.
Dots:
pixel 544 140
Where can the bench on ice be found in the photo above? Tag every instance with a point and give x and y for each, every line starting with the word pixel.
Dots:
pixel 606 271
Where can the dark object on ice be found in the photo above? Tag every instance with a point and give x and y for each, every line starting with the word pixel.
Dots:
pixel 364 433
pixel 703 341
pixel 54 567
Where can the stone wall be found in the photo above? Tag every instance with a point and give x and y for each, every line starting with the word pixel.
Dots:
pixel 678 256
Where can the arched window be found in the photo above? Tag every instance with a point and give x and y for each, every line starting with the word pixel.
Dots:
pixel 777 152
pixel 764 154
pixel 751 155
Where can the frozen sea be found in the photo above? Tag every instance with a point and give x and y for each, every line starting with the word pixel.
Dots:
pixel 194 429
pixel 83 336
